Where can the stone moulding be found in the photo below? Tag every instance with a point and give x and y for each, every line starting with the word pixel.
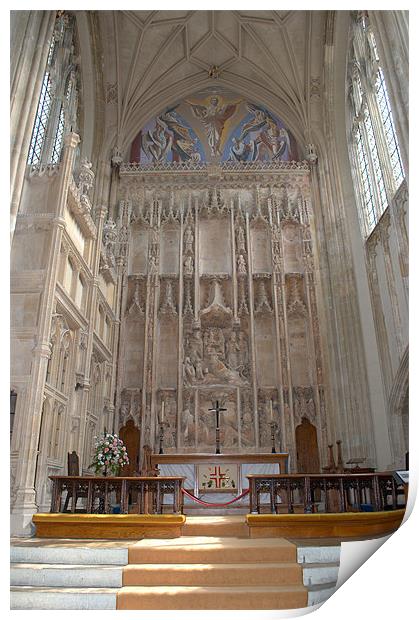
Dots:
pixel 227 166
pixel 341 525
pixel 81 211
pixel 53 525
pixel 199 175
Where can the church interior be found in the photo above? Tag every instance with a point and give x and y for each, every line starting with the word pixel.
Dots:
pixel 209 274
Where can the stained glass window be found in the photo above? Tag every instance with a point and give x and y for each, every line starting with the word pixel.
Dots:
pixel 41 122
pixel 56 107
pixel 374 141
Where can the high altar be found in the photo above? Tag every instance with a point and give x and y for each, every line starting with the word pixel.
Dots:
pixel 218 478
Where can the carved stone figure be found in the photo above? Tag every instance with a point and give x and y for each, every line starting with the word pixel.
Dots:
pixel 241 265
pixel 188 263
pixel 152 265
pixel 233 351
pixel 241 244
pixel 168 305
pixel 263 303
pixel 189 427
pixel 86 177
pixel 188 240
pixel 190 373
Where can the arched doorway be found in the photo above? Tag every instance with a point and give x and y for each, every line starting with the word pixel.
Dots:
pixel 308 461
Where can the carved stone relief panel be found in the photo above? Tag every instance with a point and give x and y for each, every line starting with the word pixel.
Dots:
pixel 189 425
pixel 133 352
pixel 169 250
pixel 265 351
pixel 167 353
pixel 168 419
pixel 247 427
pixel 138 250
pixel 261 255
pixel 291 239
pixel 215 253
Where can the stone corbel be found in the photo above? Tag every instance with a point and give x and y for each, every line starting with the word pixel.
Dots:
pixel 311 154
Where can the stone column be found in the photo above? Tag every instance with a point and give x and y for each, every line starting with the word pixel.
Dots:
pixel 252 334
pixel 25 505
pixel 91 308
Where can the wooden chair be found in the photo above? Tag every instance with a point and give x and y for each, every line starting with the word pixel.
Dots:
pixel 73 469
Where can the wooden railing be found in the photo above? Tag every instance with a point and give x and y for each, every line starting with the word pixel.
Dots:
pixel 105 495
pixel 325 493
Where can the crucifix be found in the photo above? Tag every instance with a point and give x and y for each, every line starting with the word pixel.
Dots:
pixel 217 410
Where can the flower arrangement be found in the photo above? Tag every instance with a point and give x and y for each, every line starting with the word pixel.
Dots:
pixel 110 454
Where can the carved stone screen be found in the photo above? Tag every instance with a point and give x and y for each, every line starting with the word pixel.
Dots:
pixel 220 303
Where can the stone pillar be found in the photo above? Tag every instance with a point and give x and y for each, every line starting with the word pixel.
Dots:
pixel 91 307
pixel 252 335
pixel 25 505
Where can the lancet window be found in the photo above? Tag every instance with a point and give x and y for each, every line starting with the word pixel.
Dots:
pixel 58 101
pixel 377 165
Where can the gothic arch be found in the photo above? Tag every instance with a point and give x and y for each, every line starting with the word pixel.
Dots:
pixel 189 87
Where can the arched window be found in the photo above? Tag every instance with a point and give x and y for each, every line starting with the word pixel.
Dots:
pixel 57 106
pixel 377 165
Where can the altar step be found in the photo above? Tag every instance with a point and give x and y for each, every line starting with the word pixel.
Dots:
pixel 231 526
pixel 203 572
pixel 66 574
pixel 190 572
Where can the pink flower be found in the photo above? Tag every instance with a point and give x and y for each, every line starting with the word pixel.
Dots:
pixel 106 450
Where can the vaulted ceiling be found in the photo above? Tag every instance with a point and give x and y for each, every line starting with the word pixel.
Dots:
pixel 151 59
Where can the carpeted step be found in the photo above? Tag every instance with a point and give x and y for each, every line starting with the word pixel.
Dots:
pixel 239 597
pixel 208 550
pixel 266 574
pixel 231 526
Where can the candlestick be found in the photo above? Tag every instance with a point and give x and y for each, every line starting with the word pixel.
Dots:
pixel 273 426
pixel 161 438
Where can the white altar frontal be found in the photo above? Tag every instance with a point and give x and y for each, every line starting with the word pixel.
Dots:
pixel 218 478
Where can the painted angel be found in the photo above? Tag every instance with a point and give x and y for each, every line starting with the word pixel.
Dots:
pixel 183 144
pixel 214 117
pixel 258 122
pixel 157 143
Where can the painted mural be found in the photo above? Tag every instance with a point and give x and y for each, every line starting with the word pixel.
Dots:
pixel 214 127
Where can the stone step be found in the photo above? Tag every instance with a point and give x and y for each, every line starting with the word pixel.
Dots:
pixel 266 574
pixel 239 597
pixel 319 574
pixel 66 575
pixel 211 550
pixel 26 597
pixel 55 554
pixel 320 593
pixel 318 554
